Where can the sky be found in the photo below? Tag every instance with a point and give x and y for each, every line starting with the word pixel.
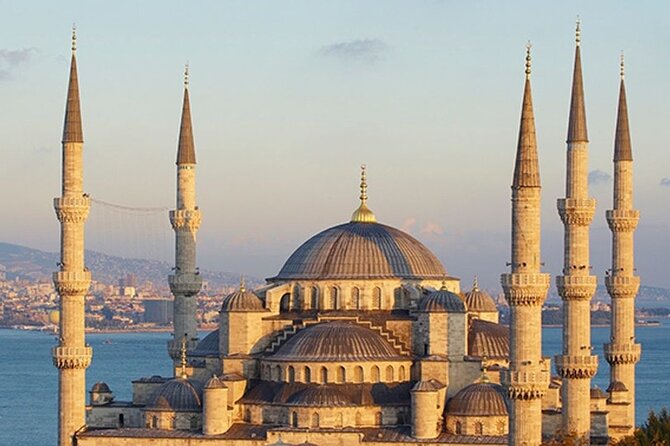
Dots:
pixel 289 98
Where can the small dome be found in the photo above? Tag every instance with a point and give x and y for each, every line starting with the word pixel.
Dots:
pixel 479 399
pixel 432 385
pixel 100 387
pixel 215 383
pixel 617 386
pixel 478 300
pixel 177 395
pixel 598 394
pixel 441 301
pixel 336 341
pixel 242 300
pixel 320 396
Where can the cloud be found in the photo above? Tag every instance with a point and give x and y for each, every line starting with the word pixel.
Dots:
pixel 408 224
pixel 665 182
pixel 12 59
pixel 363 51
pixel 597 177
pixel 432 228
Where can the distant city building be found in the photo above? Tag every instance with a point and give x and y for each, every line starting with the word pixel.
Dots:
pixel 158 311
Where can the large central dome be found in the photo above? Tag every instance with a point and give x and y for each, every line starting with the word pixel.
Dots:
pixel 362 250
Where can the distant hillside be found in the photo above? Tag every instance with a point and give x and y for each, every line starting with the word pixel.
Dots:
pixel 33 264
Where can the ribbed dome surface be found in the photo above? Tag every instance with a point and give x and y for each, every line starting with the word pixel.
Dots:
pixel 336 341
pixel 215 383
pixel 177 395
pixel 479 399
pixel 488 339
pixel 242 300
pixel 478 300
pixel 100 387
pixel 441 301
pixel 320 396
pixel 208 346
pixel 361 251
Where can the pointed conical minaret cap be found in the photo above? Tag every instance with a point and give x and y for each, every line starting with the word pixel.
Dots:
pixel 526 168
pixel 72 129
pixel 577 122
pixel 363 214
pixel 186 148
pixel 622 145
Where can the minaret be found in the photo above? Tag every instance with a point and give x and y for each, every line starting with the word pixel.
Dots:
pixel 526 288
pixel 185 283
pixel 72 355
pixel 576 286
pixel 622 352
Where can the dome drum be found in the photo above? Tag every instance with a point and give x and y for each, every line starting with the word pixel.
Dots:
pixel 333 372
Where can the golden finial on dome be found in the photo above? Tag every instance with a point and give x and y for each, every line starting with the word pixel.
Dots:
pixel 485 377
pixel 74 38
pixel 183 358
pixel 475 284
pixel 578 31
pixel 242 287
pixel 186 75
pixel 621 67
pixel 528 59
pixel 363 214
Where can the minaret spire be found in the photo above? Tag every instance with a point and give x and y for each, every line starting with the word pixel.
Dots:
pixel 576 285
pixel 186 282
pixel 72 355
pixel 622 352
pixel 526 287
pixel 363 214
pixel 72 129
pixel 577 121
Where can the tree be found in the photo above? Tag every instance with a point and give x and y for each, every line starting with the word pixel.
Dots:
pixel 654 432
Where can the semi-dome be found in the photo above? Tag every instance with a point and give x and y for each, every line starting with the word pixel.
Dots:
pixel 208 346
pixel 441 301
pixel 242 300
pixel 480 399
pixel 336 341
pixel 488 339
pixel 361 250
pixel 320 396
pixel 479 301
pixel 177 395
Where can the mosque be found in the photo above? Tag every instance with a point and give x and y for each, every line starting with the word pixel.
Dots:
pixel 362 337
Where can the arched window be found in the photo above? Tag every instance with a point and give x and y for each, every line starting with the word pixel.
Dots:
pixel 389 374
pixel 334 298
pixel 315 298
pixel 478 428
pixel 377 298
pixel 401 373
pixel 400 418
pixel 339 420
pixel 358 374
pixel 285 302
pixel 154 422
pixel 501 427
pixel 359 419
pixel 378 419
pixel 121 420
pixel 297 301
pixel 341 374
pixel 194 423
pixel 277 373
pixel 291 374
pixel 173 422
pixel 356 298
pixel 324 375
pixel 308 374
pixel 247 416
pixel 458 428
pixel 375 374
pixel 294 419
pixel 315 419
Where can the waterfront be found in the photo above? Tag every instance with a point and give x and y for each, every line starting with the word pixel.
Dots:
pixel 29 380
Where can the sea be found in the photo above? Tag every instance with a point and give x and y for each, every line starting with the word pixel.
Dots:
pixel 29 382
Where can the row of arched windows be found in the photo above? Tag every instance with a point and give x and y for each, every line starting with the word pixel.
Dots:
pixel 333 300
pixel 334 374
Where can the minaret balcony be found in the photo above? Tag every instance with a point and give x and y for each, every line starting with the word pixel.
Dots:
pixel 576 287
pixel 622 220
pixel 185 284
pixel 576 211
pixel 72 209
pixel 72 357
pixel 188 219
pixel 529 382
pixel 622 287
pixel 72 283
pixel 622 353
pixel 525 288
pixel 576 366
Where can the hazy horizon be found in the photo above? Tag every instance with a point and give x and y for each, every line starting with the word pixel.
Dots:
pixel 289 99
